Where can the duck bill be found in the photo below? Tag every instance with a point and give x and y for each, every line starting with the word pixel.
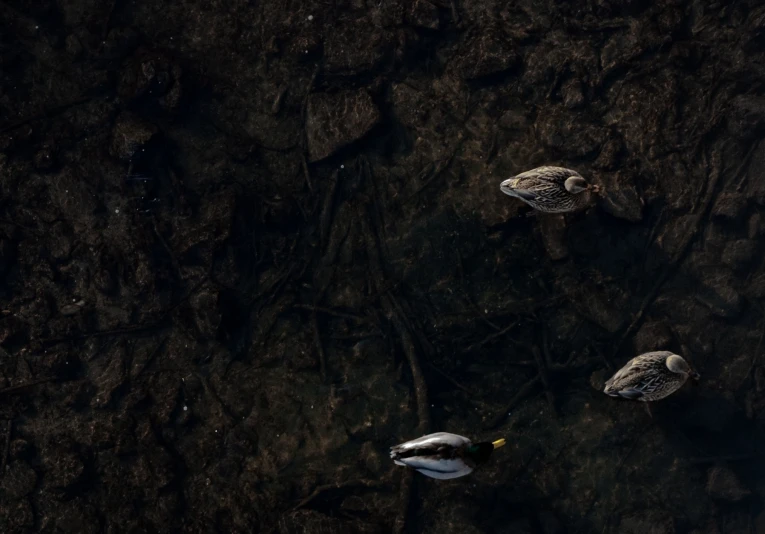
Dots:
pixel 499 443
pixel 507 186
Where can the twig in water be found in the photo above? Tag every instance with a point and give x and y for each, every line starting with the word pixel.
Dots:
pixel 545 380
pixel 338 486
pixel 330 311
pixel 13 389
pixel 449 378
pixel 404 498
pixel 325 218
pixel 522 393
pixel 319 347
pixel 420 388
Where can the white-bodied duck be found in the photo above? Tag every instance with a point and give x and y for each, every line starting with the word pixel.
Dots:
pixel 443 455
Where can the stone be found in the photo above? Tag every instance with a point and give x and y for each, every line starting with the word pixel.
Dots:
pixel 747 116
pixel 721 299
pixel 711 412
pixel 17 516
pixel 755 179
pixel 610 155
pixel 45 158
pixel 591 303
pixel 73 46
pixel 757 287
pixel 549 523
pixel 129 135
pixel 724 485
pixel 18 480
pixel 755 226
pixel 759 524
pixel 566 132
pixel 553 230
pixel 63 468
pixel 488 53
pixel 739 253
pixel 424 15
pixel 647 522
pixel 207 313
pixel 731 206
pixel 573 96
pixel 652 336
pixel 346 54
pixel 337 120
pixel 513 120
pixel 620 197
pixel 598 380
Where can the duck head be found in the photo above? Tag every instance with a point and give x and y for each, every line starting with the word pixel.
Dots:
pixel 577 184
pixel 677 364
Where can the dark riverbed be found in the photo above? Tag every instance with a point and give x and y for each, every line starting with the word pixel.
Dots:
pixel 248 246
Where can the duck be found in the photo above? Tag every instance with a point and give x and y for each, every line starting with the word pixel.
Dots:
pixel 443 455
pixel 551 189
pixel 650 377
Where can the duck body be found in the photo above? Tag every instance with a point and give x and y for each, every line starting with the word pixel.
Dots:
pixel 551 189
pixel 443 455
pixel 650 377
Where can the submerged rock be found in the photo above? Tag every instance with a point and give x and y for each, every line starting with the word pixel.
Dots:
pixel 724 485
pixel 488 53
pixel 649 521
pixel 573 96
pixel 721 299
pixel 336 120
pixel 130 133
pixel 652 336
pixel 18 480
pixel 711 413
pixel 424 14
pixel 757 287
pixel 729 206
pixel 620 197
pixel 346 54
pixel 592 303
pixel 553 230
pixel 747 116
pixel 737 254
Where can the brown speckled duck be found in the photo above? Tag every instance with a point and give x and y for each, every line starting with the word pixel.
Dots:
pixel 650 377
pixel 551 189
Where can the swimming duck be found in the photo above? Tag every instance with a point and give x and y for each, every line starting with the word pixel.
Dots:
pixel 551 189
pixel 443 455
pixel 650 377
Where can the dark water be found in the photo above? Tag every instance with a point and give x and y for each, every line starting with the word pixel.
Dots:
pixel 248 246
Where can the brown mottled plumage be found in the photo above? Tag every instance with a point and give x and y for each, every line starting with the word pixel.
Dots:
pixel 551 189
pixel 650 377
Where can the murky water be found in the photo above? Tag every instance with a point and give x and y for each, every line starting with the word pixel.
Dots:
pixel 247 247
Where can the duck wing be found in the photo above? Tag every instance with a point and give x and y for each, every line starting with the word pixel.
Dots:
pixel 640 376
pixel 556 175
pixel 429 442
